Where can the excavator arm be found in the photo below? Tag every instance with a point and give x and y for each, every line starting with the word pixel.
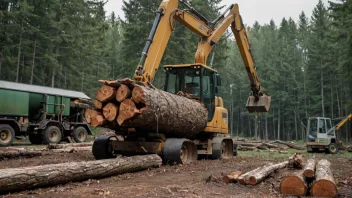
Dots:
pixel 210 33
pixel 340 124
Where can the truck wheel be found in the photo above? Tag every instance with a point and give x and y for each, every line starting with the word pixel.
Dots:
pixel 80 134
pixel 332 148
pixel 51 135
pixel 7 135
pixel 35 139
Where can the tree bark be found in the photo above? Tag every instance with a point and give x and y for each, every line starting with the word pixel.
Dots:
pixel 296 161
pixel 270 145
pixel 324 186
pixel 123 93
pixel 309 168
pixel 106 93
pixel 173 115
pixel 232 177
pixel 294 184
pixel 98 104
pixel 15 179
pixel 110 112
pixel 7 153
pixel 264 172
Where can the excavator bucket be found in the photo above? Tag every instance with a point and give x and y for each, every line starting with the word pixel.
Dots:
pixel 258 105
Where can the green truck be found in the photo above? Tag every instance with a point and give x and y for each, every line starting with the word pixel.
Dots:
pixel 44 114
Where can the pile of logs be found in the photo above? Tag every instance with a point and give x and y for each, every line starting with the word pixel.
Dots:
pixel 255 176
pixel 315 178
pixel 273 146
pixel 123 104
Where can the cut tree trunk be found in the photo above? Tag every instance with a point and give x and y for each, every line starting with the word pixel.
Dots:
pixel 296 161
pixel 98 104
pixel 16 179
pixel 232 177
pixel 270 145
pixel 7 153
pixel 324 185
pixel 61 146
pixel 294 184
pixel 128 110
pixel 105 93
pixel 167 113
pixel 244 179
pixel 264 172
pixel 309 169
pixel 123 93
pixel 97 121
pixel 89 114
pixel 110 112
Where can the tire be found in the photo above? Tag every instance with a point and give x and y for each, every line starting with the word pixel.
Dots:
pixel 35 139
pixel 7 135
pixel 51 135
pixel 80 134
pixel 333 149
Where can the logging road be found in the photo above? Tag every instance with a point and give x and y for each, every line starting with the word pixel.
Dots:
pixel 200 179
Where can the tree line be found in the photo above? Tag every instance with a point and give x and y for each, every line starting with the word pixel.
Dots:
pixel 304 65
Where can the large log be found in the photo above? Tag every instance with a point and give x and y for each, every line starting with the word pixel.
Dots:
pixel 105 93
pixel 290 145
pixel 296 161
pixel 243 179
pixel 309 168
pixel 294 184
pixel 110 112
pixel 16 179
pixel 72 149
pixel 324 185
pixel 264 172
pixel 61 146
pixel 97 121
pixel 159 111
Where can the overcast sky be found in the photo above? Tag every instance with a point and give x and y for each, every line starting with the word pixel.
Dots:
pixel 253 10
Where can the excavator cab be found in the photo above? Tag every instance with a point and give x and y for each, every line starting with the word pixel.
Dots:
pixel 195 81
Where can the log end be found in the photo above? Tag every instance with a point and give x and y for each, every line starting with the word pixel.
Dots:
pixel 127 111
pixel 308 173
pixel 123 93
pixel 110 111
pixel 252 180
pixel 324 188
pixel 138 94
pixel 97 121
pixel 105 93
pixel 98 104
pixel 292 185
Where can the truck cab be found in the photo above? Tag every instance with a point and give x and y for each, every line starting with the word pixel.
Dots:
pixel 321 135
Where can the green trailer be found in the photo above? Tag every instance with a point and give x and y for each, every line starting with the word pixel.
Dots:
pixel 44 114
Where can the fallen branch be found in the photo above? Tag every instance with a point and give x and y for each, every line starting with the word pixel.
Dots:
pixel 16 179
pixel 61 146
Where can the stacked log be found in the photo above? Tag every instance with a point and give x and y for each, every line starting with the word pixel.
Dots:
pixel 324 185
pixel 259 174
pixel 126 104
pixel 265 146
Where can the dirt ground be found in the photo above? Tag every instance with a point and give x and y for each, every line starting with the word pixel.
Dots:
pixel 200 179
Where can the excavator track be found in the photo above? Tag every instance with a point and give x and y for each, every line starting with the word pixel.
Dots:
pixel 100 148
pixel 222 148
pixel 181 151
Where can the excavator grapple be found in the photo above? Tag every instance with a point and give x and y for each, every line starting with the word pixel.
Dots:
pixel 261 104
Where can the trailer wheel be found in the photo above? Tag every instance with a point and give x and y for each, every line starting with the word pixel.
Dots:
pixel 35 139
pixel 80 134
pixel 7 135
pixel 51 135
pixel 332 148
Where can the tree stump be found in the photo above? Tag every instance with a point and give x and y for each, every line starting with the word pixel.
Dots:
pixel 294 184
pixel 123 93
pixel 324 185
pixel 110 112
pixel 15 179
pixel 264 172
pixel 309 169
pixel 105 93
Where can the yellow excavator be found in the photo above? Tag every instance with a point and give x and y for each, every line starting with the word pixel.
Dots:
pixel 321 134
pixel 212 141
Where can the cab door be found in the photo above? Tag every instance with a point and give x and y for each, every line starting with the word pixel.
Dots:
pixel 322 131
